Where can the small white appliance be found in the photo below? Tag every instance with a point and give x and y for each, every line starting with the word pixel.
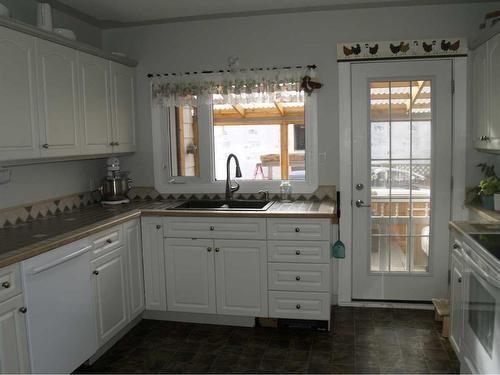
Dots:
pixel 481 338
pixel 44 16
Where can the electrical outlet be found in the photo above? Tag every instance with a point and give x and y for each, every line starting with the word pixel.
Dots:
pixel 4 176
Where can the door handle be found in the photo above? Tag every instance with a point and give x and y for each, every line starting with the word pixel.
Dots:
pixel 360 204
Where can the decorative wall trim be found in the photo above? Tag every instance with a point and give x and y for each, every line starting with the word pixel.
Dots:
pixel 14 216
pixel 401 49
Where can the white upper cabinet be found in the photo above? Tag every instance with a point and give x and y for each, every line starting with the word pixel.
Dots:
pixel 18 116
pixel 122 94
pixel 486 95
pixel 95 104
pixel 59 98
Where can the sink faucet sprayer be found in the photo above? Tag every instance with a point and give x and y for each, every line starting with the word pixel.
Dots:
pixel 230 189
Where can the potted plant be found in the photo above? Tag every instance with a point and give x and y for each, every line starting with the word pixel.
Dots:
pixel 489 186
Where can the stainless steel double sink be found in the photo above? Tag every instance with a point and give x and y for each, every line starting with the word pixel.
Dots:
pixel 223 205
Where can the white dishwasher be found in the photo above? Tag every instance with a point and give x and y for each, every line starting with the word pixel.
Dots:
pixel 60 318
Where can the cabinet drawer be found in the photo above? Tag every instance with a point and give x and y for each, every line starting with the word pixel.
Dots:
pixel 10 281
pixel 299 252
pixel 299 277
pixel 212 227
pixel 104 242
pixel 299 305
pixel 294 229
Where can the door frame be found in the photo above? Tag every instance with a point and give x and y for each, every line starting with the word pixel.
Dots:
pixel 459 148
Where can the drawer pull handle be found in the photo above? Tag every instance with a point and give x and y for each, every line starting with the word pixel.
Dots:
pixel 217 249
pixel 6 285
pixel 96 272
pixel 23 310
pixel 297 252
pixel 297 230
pixel 109 240
pixel 297 278
pixel 158 226
pixel 212 227
pixel 209 249
pixel 298 306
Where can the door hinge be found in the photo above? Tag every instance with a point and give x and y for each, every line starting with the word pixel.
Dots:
pixel 452 86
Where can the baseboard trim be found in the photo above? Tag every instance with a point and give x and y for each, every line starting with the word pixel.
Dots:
pixel 227 320
pixel 388 305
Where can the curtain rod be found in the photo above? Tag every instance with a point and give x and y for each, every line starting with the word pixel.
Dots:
pixel 151 75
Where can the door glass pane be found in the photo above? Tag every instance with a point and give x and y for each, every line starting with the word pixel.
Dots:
pixel 401 140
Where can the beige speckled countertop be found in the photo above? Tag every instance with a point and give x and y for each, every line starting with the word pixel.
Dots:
pixel 26 240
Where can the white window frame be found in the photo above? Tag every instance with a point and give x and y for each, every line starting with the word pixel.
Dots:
pixel 165 183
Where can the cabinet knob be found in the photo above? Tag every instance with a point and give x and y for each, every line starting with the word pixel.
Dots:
pixel 111 143
pixel 212 227
pixel 109 240
pixel 297 252
pixel 217 249
pixel 117 143
pixel 297 278
pixel 455 246
pixel 23 310
pixel 45 145
pixel 158 226
pixel 6 285
pixel 298 306
pixel 459 279
pixel 96 272
pixel 209 249
pixel 297 229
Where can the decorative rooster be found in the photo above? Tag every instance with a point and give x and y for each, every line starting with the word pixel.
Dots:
pixel 404 47
pixel 356 50
pixel 428 47
pixel 445 46
pixel 308 85
pixel 455 46
pixel 347 51
pixel 373 50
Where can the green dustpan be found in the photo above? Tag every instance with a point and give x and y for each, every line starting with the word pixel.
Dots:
pixel 338 249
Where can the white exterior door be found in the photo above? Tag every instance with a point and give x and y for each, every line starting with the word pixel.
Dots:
pixel 59 99
pixel 241 277
pixel 154 263
pixel 132 232
pixel 95 92
pixel 189 265
pixel 13 337
pixel 109 285
pixel 123 86
pixel 18 117
pixel 402 132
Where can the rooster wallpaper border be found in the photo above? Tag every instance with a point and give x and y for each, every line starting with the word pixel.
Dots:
pixel 400 49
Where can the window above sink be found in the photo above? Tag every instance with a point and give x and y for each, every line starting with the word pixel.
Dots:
pixel 273 134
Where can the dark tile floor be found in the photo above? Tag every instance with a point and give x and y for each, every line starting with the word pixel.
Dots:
pixel 363 340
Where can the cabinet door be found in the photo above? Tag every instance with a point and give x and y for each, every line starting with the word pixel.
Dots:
pixel 190 273
pixel 123 86
pixel 241 277
pixel 13 338
pixel 132 230
pixel 109 285
pixel 479 97
pixel 58 95
pixel 456 304
pixel 95 104
pixel 154 264
pixel 494 93
pixel 18 117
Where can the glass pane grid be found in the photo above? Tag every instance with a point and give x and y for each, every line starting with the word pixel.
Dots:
pixel 400 176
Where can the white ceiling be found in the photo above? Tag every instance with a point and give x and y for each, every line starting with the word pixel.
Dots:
pixel 133 11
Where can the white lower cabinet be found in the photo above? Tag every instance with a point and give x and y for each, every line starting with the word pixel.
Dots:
pixel 13 339
pixel 189 265
pixel 456 294
pixel 135 271
pixel 109 285
pixel 241 277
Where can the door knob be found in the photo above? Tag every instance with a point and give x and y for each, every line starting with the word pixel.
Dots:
pixel 95 272
pixel 23 310
pixel 360 203
pixel 297 278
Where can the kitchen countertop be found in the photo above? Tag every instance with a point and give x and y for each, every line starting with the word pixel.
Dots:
pixel 483 213
pixel 26 240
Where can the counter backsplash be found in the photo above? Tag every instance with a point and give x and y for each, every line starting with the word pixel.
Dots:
pixel 12 216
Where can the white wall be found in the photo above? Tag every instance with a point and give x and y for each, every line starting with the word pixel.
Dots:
pixel 286 39
pixel 25 10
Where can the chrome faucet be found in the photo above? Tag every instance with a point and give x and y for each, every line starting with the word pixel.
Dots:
pixel 230 189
